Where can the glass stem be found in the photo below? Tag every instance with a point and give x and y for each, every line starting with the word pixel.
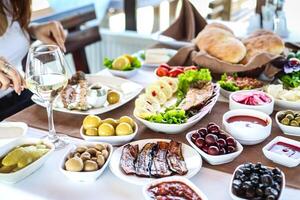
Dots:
pixel 52 133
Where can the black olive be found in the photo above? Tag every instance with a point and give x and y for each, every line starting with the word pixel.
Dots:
pixel 237 182
pixel 247 171
pixel 250 192
pixel 259 192
pixel 266 179
pixel 254 180
pixel 278 178
pixel 276 186
pixel 247 165
pixel 271 191
pixel 238 173
pixel 271 197
pixel 258 165
pixel 276 171
pixel 243 177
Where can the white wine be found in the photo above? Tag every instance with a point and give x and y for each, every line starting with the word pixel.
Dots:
pixel 47 86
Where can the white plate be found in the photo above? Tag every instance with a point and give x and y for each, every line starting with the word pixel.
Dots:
pixel 84 176
pixel 114 140
pixel 10 131
pixel 179 128
pixel 192 159
pixel 162 39
pixel 216 159
pixel 288 130
pixel 172 179
pixel 124 74
pixel 128 90
pixel 138 54
pixel 31 168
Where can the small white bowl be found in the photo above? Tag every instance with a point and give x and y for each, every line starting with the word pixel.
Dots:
pixel 227 93
pixel 31 168
pixel 215 159
pixel 234 197
pixel 123 74
pixel 266 108
pixel 288 130
pixel 11 131
pixel 172 179
pixel 84 176
pixel 248 136
pixel 114 140
pixel 278 158
pixel 94 100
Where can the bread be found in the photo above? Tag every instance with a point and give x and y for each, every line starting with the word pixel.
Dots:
pixel 221 43
pixel 218 25
pixel 262 42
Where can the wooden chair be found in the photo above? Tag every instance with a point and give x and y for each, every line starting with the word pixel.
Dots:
pixel 221 9
pixel 78 36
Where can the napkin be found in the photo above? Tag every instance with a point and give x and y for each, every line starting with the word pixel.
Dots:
pixel 188 24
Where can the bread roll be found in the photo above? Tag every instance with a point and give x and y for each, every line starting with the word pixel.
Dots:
pixel 218 25
pixel 221 44
pixel 262 42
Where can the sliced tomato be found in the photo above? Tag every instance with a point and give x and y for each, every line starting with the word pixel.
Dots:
pixel 175 72
pixel 162 71
pixel 165 66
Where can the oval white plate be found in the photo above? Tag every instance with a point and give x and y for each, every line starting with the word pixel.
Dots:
pixel 123 74
pixel 192 159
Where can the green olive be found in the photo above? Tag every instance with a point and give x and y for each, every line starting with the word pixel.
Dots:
pixel 289 116
pixel 294 123
pixel 289 112
pixel 285 121
pixel 113 97
pixel 297 119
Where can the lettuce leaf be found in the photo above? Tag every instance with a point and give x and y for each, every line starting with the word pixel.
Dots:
pixel 108 62
pixel 291 80
pixel 170 116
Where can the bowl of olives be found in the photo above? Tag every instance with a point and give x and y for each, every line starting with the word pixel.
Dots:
pixel 289 122
pixel 114 131
pixel 86 162
pixel 256 181
pixel 214 145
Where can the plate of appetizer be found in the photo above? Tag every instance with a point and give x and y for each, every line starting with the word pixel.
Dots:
pixel 229 84
pixel 93 94
pixel 172 71
pixel 123 66
pixel 151 58
pixel 175 187
pixel 172 105
pixel 287 98
pixel 289 122
pixel 143 161
pixel 113 131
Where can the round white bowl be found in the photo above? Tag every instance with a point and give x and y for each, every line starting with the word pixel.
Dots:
pixel 94 100
pixel 84 176
pixel 234 197
pixel 287 104
pixel 281 159
pixel 172 179
pixel 288 130
pixel 248 136
pixel 123 74
pixel 11 131
pixel 215 159
pixel 31 168
pixel 113 140
pixel 266 108
pixel 227 93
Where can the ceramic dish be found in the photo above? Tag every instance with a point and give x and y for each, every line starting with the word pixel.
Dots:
pixel 84 176
pixel 287 104
pixel 216 159
pixel 227 93
pixel 192 159
pixel 31 168
pixel 288 130
pixel 279 158
pixel 249 134
pixel 10 131
pixel 123 74
pixel 127 90
pixel 113 140
pixel 169 53
pixel 234 197
pixel 179 128
pixel 266 107
pixel 172 179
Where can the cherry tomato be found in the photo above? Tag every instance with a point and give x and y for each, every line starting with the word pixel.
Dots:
pixel 175 72
pixel 162 71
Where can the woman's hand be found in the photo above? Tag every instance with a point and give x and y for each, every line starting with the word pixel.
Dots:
pixel 49 33
pixel 10 77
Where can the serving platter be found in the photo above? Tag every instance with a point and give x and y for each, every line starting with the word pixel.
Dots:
pixel 192 159
pixel 127 90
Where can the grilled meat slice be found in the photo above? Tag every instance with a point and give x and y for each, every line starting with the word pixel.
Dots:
pixel 144 160
pixel 175 158
pixel 159 167
pixel 197 95
pixel 128 158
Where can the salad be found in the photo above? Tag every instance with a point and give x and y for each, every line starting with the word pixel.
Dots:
pixel 123 63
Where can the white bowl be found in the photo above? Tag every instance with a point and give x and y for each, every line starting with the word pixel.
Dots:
pixel 248 136
pixel 11 131
pixel 278 158
pixel 123 74
pixel 234 197
pixel 288 130
pixel 84 176
pixel 172 179
pixel 26 171
pixel 266 108
pixel 215 159
pixel 227 93
pixel 114 140
pixel 287 104
pixel 93 99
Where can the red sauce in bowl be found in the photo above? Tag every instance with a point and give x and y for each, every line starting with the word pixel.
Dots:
pixel 245 120
pixel 288 150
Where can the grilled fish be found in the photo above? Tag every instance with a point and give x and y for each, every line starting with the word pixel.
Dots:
pixel 159 167
pixel 144 160
pixel 175 158
pixel 128 158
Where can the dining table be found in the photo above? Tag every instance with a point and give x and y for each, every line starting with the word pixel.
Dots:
pixel 48 182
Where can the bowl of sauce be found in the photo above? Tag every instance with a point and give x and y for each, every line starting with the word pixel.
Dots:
pixel 247 126
pixel 283 151
pixel 10 131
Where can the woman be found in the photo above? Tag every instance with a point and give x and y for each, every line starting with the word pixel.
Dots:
pixel 15 34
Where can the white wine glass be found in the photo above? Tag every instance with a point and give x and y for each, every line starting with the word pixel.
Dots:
pixel 46 75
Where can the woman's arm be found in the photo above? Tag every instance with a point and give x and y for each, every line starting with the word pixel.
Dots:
pixel 49 33
pixel 10 77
